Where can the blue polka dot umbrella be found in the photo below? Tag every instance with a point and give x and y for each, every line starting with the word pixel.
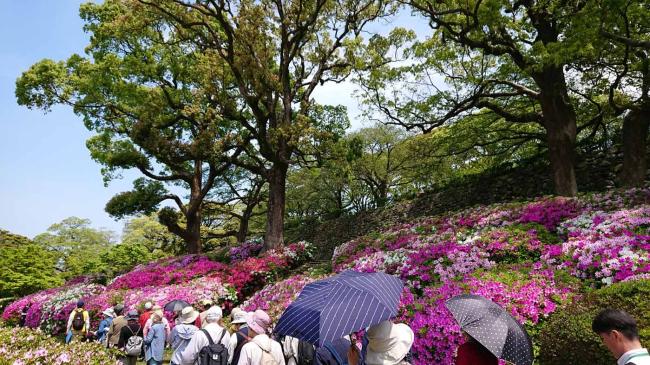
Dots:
pixel 493 327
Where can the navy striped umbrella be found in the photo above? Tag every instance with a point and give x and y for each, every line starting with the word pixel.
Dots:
pixel 331 308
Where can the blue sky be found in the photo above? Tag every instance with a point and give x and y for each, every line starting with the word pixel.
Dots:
pixel 46 173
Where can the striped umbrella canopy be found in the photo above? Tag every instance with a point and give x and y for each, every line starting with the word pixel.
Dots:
pixel 331 308
pixel 493 327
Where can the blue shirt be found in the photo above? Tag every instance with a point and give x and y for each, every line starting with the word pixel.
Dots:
pixel 154 343
pixel 103 328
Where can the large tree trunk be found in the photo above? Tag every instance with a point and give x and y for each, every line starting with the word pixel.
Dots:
pixel 274 236
pixel 560 124
pixel 635 133
pixel 193 236
pixel 193 215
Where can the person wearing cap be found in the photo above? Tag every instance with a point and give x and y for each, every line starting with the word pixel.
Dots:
pixel 205 304
pixel 81 314
pixel 240 334
pixel 147 325
pixel 199 340
pixel 182 333
pixel 105 324
pixel 132 328
pixel 154 341
pixel 146 314
pixel 388 344
pixel 260 345
pixel 115 328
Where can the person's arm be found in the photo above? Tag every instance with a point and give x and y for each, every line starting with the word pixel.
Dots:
pixel 87 320
pixel 168 328
pixel 147 327
pixel 148 338
pixel 70 319
pixel 121 342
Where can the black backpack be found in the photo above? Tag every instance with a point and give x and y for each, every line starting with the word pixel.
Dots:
pixel 78 321
pixel 306 353
pixel 213 353
pixel 241 341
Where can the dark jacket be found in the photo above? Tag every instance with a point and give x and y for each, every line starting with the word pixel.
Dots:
pixel 335 353
pixel 131 329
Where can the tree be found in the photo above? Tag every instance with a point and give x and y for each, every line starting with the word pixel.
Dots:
pixel 624 63
pixel 507 57
pixel 277 53
pixel 146 231
pixel 148 95
pixel 77 246
pixel 26 267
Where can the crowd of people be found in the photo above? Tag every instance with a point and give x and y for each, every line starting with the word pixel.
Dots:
pixel 200 337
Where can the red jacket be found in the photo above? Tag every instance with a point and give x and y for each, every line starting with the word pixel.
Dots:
pixel 472 353
pixel 144 317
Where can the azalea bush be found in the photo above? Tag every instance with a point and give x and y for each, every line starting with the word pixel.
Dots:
pixel 190 278
pixel 24 346
pixel 531 258
pixel 275 298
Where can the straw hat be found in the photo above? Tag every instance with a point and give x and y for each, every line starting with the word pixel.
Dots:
pixel 259 321
pixel 388 343
pixel 188 315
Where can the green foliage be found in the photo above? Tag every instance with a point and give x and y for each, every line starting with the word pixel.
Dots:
pixel 568 339
pixel 76 246
pixel 26 267
pixel 123 257
pixel 146 231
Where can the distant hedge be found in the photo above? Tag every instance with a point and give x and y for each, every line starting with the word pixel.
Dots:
pixel 567 337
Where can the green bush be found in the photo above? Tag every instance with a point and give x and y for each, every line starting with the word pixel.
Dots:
pixel 567 337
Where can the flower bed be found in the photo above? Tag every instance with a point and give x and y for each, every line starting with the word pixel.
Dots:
pixel 275 298
pixel 24 346
pixel 190 278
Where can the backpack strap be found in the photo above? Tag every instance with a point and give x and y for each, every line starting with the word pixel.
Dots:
pixel 335 354
pixel 207 334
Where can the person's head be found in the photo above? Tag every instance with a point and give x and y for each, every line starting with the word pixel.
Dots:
pixel 133 316
pixel 213 315
pixel 80 303
pixel 119 309
pixel 618 330
pixel 258 323
pixel 109 313
pixel 238 318
pixel 147 306
pixel 388 343
pixel 206 304
pixel 188 315
pixel 156 318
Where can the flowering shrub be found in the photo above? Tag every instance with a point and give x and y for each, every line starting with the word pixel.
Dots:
pixel 190 278
pixel 24 346
pixel 247 249
pixel 275 298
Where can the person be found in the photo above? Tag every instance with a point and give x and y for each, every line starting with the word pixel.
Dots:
pixel 334 353
pixel 200 340
pixel 104 325
pixel 182 333
pixel 154 341
pixel 618 331
pixel 23 316
pixel 157 309
pixel 78 323
pixel 388 344
pixel 239 336
pixel 297 352
pixel 116 326
pixel 131 329
pixel 471 352
pixel 146 314
pixel 261 349
pixel 205 304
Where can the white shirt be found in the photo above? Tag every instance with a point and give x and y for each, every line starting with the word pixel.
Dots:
pixel 251 353
pixel 637 356
pixel 199 341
